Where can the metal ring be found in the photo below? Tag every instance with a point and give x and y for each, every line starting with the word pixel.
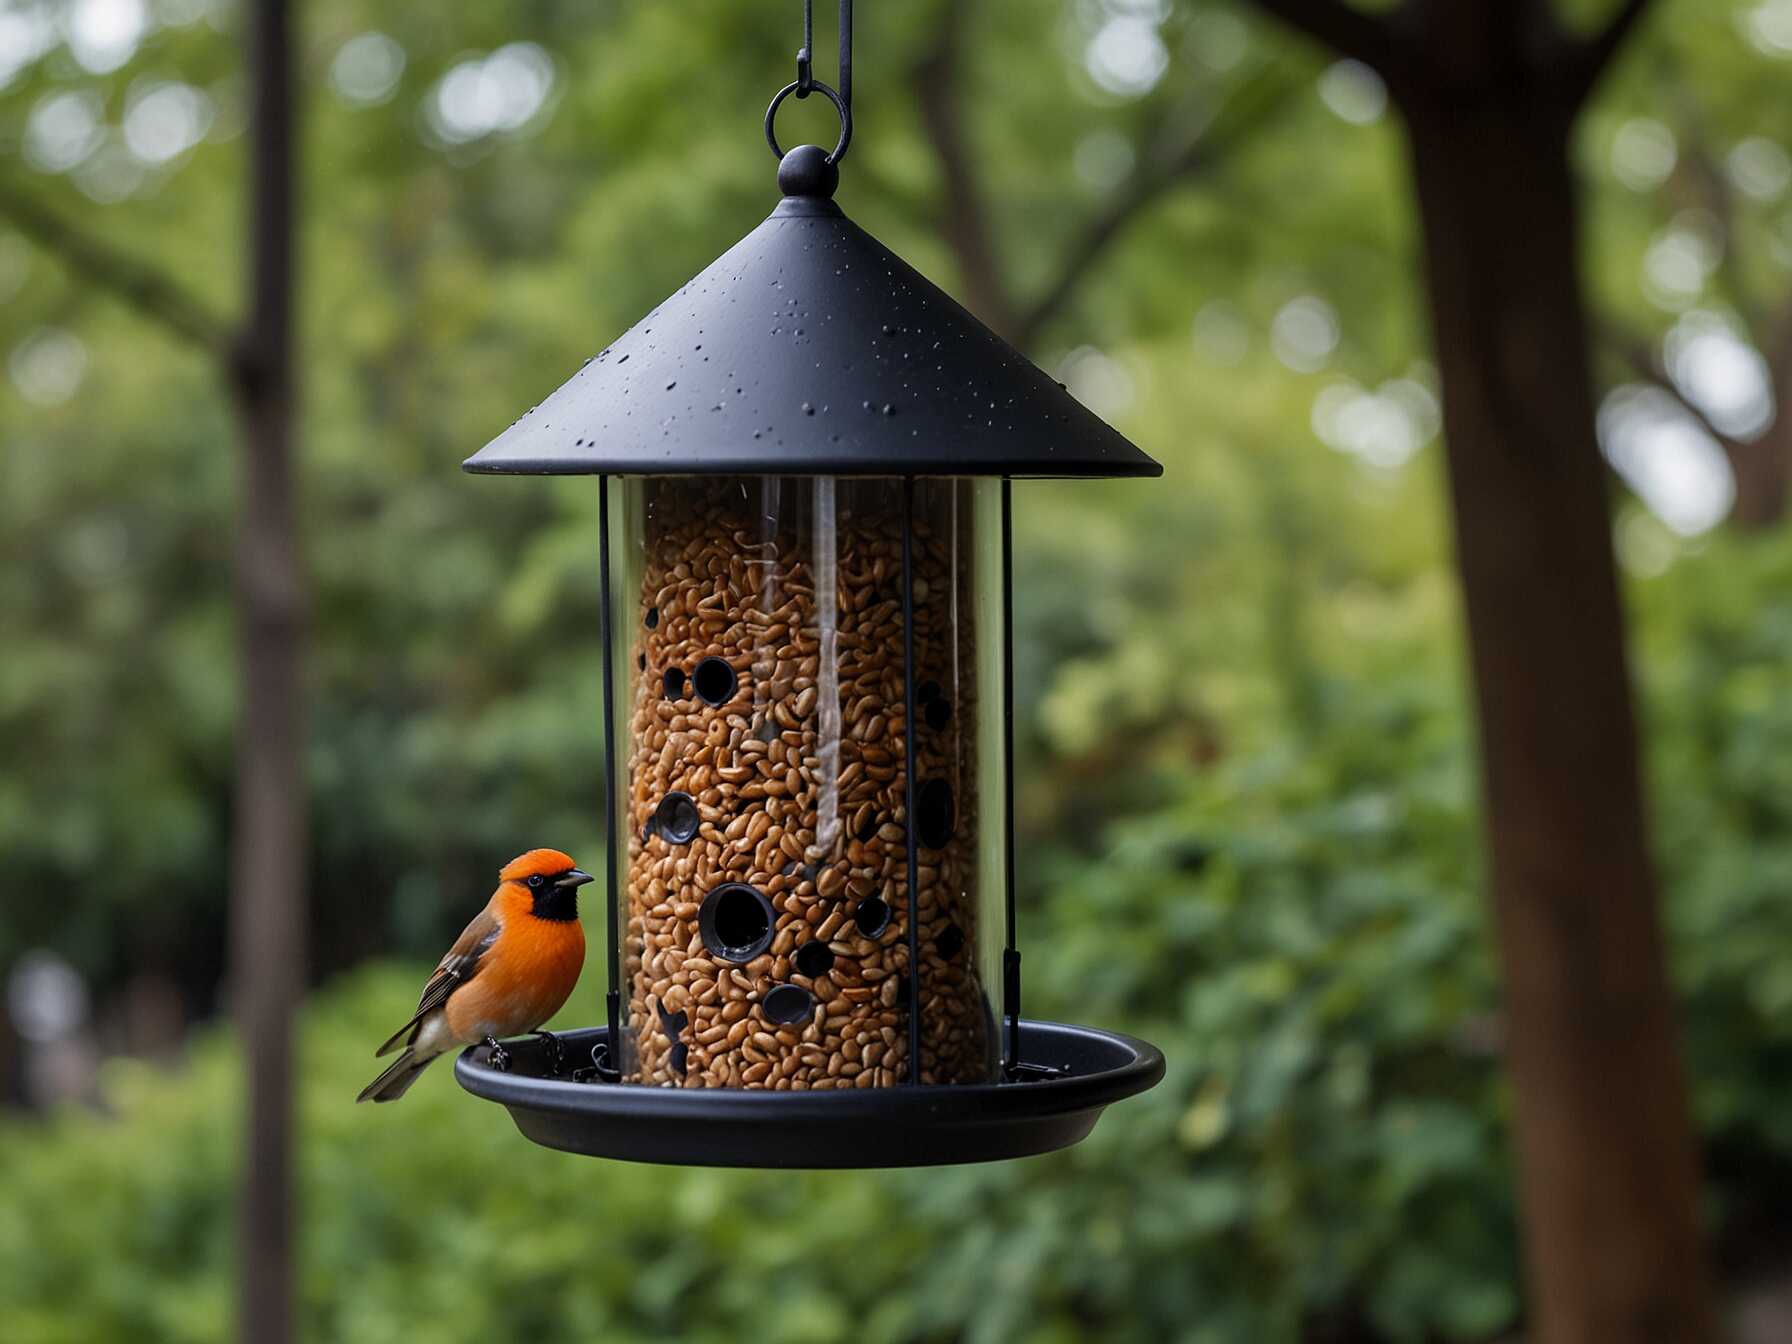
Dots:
pixel 816 86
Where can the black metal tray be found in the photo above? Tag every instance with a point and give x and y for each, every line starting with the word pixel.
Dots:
pixel 1079 1072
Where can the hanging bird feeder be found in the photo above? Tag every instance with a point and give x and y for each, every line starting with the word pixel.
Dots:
pixel 803 463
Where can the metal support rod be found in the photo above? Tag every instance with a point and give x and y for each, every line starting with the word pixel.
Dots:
pixel 910 827
pixel 805 59
pixel 612 901
pixel 1011 949
pixel 846 53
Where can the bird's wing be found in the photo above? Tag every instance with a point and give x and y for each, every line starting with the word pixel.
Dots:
pixel 454 970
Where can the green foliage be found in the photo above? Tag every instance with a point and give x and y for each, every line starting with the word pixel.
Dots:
pixel 1297 925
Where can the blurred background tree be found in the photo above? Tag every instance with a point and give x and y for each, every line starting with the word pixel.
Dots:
pixel 1248 810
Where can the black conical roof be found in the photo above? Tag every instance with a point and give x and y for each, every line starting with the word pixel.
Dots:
pixel 809 348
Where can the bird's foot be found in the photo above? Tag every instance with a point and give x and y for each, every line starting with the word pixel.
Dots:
pixel 496 1055
pixel 556 1051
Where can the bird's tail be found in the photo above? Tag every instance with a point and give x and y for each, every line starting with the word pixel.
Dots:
pixel 398 1077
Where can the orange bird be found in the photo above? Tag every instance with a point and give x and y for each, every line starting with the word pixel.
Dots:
pixel 509 972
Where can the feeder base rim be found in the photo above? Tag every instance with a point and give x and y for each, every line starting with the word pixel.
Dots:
pixel 901 1126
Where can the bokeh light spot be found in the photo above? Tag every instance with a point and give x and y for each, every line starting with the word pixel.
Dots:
pixel 1643 153
pixel 1759 167
pixel 104 34
pixel 63 129
pixel 1353 92
pixel 1127 56
pixel 1099 381
pixel 367 69
pixel 48 365
pixel 1304 333
pixel 1667 458
pixel 501 93
pixel 164 121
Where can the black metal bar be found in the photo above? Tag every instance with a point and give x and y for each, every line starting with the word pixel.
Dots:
pixel 911 830
pixel 805 59
pixel 846 53
pixel 1011 1012
pixel 612 901
pixel 1011 950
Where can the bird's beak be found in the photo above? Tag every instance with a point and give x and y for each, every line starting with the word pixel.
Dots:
pixel 573 878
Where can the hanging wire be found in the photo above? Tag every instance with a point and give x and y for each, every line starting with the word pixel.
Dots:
pixel 846 53
pixel 805 57
pixel 806 83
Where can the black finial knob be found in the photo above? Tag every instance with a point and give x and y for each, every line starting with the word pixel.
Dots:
pixel 806 171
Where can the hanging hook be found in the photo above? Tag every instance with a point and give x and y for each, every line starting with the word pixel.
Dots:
pixel 805 56
pixel 806 83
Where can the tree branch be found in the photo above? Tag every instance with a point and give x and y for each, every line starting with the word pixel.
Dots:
pixel 1709 181
pixel 1589 58
pixel 1776 348
pixel 966 216
pixel 136 282
pixel 1262 98
pixel 1345 29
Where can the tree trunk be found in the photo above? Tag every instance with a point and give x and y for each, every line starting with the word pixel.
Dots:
pixel 1761 466
pixel 268 860
pixel 1606 1152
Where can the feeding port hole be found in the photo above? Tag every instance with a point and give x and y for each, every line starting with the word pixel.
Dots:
pixel 736 922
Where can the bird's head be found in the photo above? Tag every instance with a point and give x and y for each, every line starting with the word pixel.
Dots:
pixel 550 881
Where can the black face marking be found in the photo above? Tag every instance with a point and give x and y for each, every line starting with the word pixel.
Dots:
pixel 553 901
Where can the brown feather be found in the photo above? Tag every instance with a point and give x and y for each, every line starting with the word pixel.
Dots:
pixel 397 1078
pixel 454 970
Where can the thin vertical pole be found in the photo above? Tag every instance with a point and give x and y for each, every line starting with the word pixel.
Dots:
pixel 846 53
pixel 612 901
pixel 910 829
pixel 269 845
pixel 1010 947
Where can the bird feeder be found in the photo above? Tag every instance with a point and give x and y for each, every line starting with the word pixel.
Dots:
pixel 804 460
